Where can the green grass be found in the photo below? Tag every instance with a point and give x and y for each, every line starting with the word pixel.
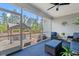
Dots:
pixel 3 27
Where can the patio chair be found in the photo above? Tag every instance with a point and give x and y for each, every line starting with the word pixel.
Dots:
pixel 54 35
pixel 76 36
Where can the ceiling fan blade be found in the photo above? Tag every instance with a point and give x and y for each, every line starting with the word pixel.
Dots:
pixel 64 3
pixel 51 7
pixel 55 3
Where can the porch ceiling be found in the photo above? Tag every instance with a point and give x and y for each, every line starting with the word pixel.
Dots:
pixel 63 10
pixel 41 9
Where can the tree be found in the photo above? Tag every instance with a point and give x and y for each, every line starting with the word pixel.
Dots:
pixel 24 19
pixel 4 18
pixel 29 22
pixel 14 18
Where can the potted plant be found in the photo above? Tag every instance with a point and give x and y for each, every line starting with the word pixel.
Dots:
pixel 77 20
pixel 66 52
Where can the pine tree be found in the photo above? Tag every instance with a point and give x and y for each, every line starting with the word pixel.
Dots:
pixel 4 18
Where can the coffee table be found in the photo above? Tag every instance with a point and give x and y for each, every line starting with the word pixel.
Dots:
pixel 53 47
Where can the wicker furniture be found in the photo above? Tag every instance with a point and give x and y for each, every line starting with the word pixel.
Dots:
pixel 53 47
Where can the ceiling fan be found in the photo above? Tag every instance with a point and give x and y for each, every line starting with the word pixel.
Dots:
pixel 57 5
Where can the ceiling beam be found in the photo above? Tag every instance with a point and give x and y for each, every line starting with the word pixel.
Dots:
pixel 31 8
pixel 2 9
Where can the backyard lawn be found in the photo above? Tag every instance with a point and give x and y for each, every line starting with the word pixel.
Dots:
pixel 3 28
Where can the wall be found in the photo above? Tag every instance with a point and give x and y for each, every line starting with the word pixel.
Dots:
pixel 69 28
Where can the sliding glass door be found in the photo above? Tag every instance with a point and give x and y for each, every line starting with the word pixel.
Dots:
pixel 33 28
pixel 9 32
pixel 36 30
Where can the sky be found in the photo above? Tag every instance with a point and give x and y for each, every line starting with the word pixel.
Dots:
pixel 11 7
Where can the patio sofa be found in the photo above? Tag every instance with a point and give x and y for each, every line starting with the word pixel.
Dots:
pixel 54 35
pixel 74 47
pixel 74 44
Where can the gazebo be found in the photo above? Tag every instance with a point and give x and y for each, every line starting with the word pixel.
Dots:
pixel 16 35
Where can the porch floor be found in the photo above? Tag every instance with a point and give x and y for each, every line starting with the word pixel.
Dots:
pixel 36 50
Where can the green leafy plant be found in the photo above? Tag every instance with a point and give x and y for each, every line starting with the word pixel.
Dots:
pixel 77 20
pixel 66 51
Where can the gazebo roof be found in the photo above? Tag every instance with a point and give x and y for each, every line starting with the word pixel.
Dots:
pixel 17 26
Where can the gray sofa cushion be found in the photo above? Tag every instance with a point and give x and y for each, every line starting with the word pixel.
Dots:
pixel 76 35
pixel 74 46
